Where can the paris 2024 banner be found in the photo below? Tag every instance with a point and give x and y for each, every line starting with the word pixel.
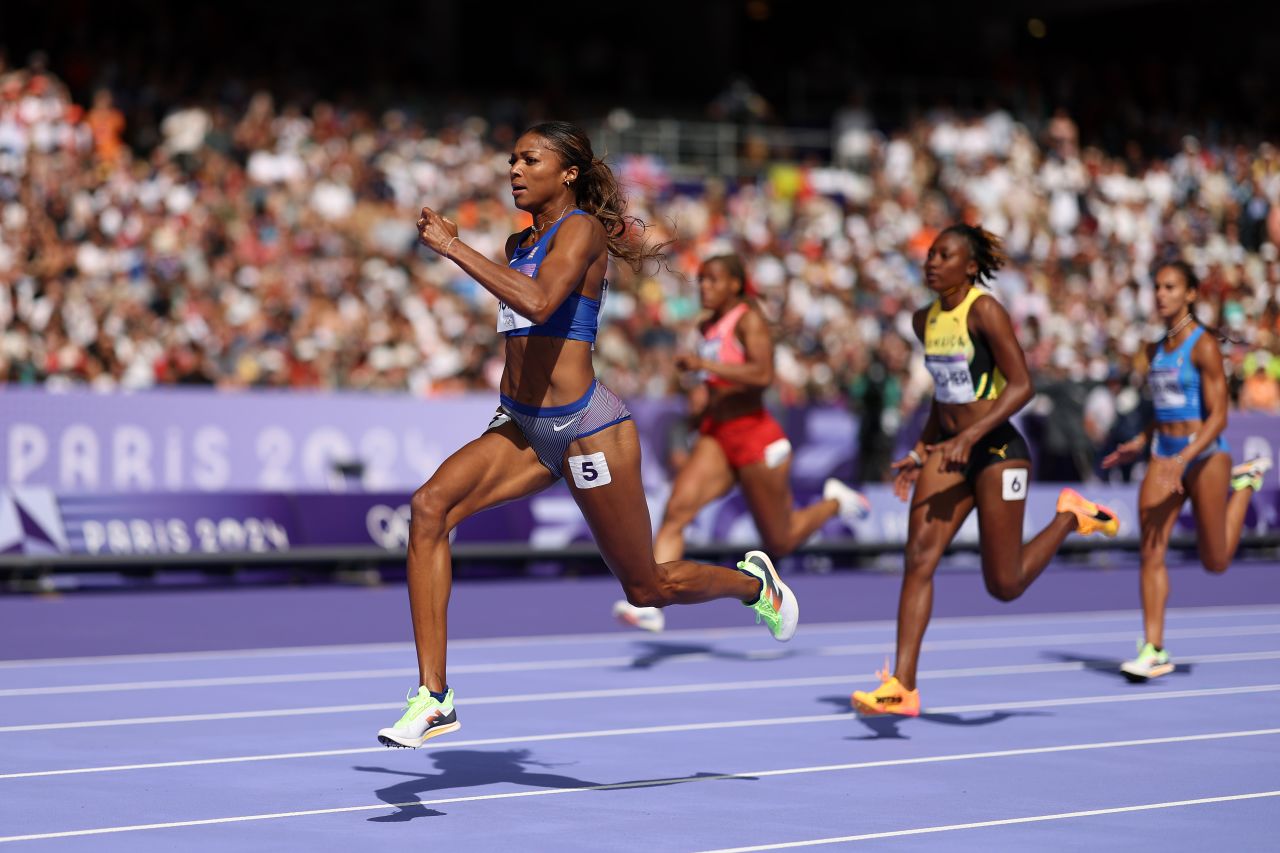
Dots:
pixel 180 471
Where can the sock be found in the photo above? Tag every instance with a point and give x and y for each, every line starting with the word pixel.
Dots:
pixel 759 592
pixel 439 697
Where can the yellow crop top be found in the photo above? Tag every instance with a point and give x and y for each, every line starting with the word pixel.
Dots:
pixel 963 369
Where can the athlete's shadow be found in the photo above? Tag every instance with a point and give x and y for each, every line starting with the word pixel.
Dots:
pixel 942 505
pixel 886 727
pixel 1110 667
pixel 655 652
pixel 469 768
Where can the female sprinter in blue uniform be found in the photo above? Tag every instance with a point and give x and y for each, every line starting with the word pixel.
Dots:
pixel 968 455
pixel 1189 457
pixel 555 419
pixel 739 442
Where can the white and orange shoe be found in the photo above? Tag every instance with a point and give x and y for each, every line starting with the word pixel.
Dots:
pixel 645 618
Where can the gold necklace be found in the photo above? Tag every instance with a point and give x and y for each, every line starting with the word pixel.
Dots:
pixel 537 230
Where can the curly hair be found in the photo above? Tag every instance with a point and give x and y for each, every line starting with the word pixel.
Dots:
pixel 597 192
pixel 986 249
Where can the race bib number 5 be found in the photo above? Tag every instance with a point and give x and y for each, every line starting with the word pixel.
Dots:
pixel 590 471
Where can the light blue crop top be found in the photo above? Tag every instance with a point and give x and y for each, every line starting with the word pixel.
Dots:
pixel 1175 382
pixel 577 318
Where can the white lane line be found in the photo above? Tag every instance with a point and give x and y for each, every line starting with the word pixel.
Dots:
pixel 624 661
pixel 1095 700
pixel 801 720
pixel 629 636
pixel 759 774
pixel 1048 639
pixel 607 693
pixel 1172 804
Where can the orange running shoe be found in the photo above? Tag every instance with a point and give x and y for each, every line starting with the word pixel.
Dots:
pixel 889 698
pixel 1090 517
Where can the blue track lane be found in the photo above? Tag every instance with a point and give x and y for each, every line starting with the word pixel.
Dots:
pixel 616 741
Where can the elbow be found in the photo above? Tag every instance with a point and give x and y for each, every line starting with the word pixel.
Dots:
pixel 538 313
pixel 1022 394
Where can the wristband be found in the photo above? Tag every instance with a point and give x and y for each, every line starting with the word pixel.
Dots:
pixel 915 457
pixel 447 245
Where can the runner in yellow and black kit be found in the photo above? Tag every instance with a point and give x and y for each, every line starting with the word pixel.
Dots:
pixel 968 455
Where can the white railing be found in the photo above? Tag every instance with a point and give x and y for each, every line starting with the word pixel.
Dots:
pixel 693 149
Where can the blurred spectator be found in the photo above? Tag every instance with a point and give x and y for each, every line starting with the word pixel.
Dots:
pixel 258 243
pixel 1261 389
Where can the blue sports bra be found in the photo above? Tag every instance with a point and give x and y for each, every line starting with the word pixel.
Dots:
pixel 577 318
pixel 1175 382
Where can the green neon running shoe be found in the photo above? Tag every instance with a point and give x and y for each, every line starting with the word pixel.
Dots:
pixel 424 717
pixel 1148 664
pixel 1248 475
pixel 777 606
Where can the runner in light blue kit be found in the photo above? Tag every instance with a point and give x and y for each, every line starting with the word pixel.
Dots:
pixel 1189 457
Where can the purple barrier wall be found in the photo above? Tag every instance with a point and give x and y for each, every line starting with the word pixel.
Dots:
pixel 180 440
pixel 35 521
pixel 181 471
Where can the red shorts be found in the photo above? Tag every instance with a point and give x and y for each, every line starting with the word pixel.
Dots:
pixel 749 439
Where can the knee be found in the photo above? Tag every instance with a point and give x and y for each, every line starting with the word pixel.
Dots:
pixel 1002 590
pixel 919 562
pixel 428 510
pixel 1216 565
pixel 776 546
pixel 655 591
pixel 1151 555
pixel 679 513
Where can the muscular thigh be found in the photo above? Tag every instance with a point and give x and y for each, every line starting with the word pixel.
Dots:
pixel 768 494
pixel 1207 483
pixel 1157 512
pixel 603 474
pixel 491 470
pixel 939 505
pixel 1001 493
pixel 703 478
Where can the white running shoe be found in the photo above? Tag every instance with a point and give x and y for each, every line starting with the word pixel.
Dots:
pixel 1148 664
pixel 644 618
pixel 424 717
pixel 854 505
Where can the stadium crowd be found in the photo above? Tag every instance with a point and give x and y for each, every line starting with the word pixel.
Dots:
pixel 267 245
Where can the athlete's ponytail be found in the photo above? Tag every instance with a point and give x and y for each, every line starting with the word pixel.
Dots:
pixel 597 192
